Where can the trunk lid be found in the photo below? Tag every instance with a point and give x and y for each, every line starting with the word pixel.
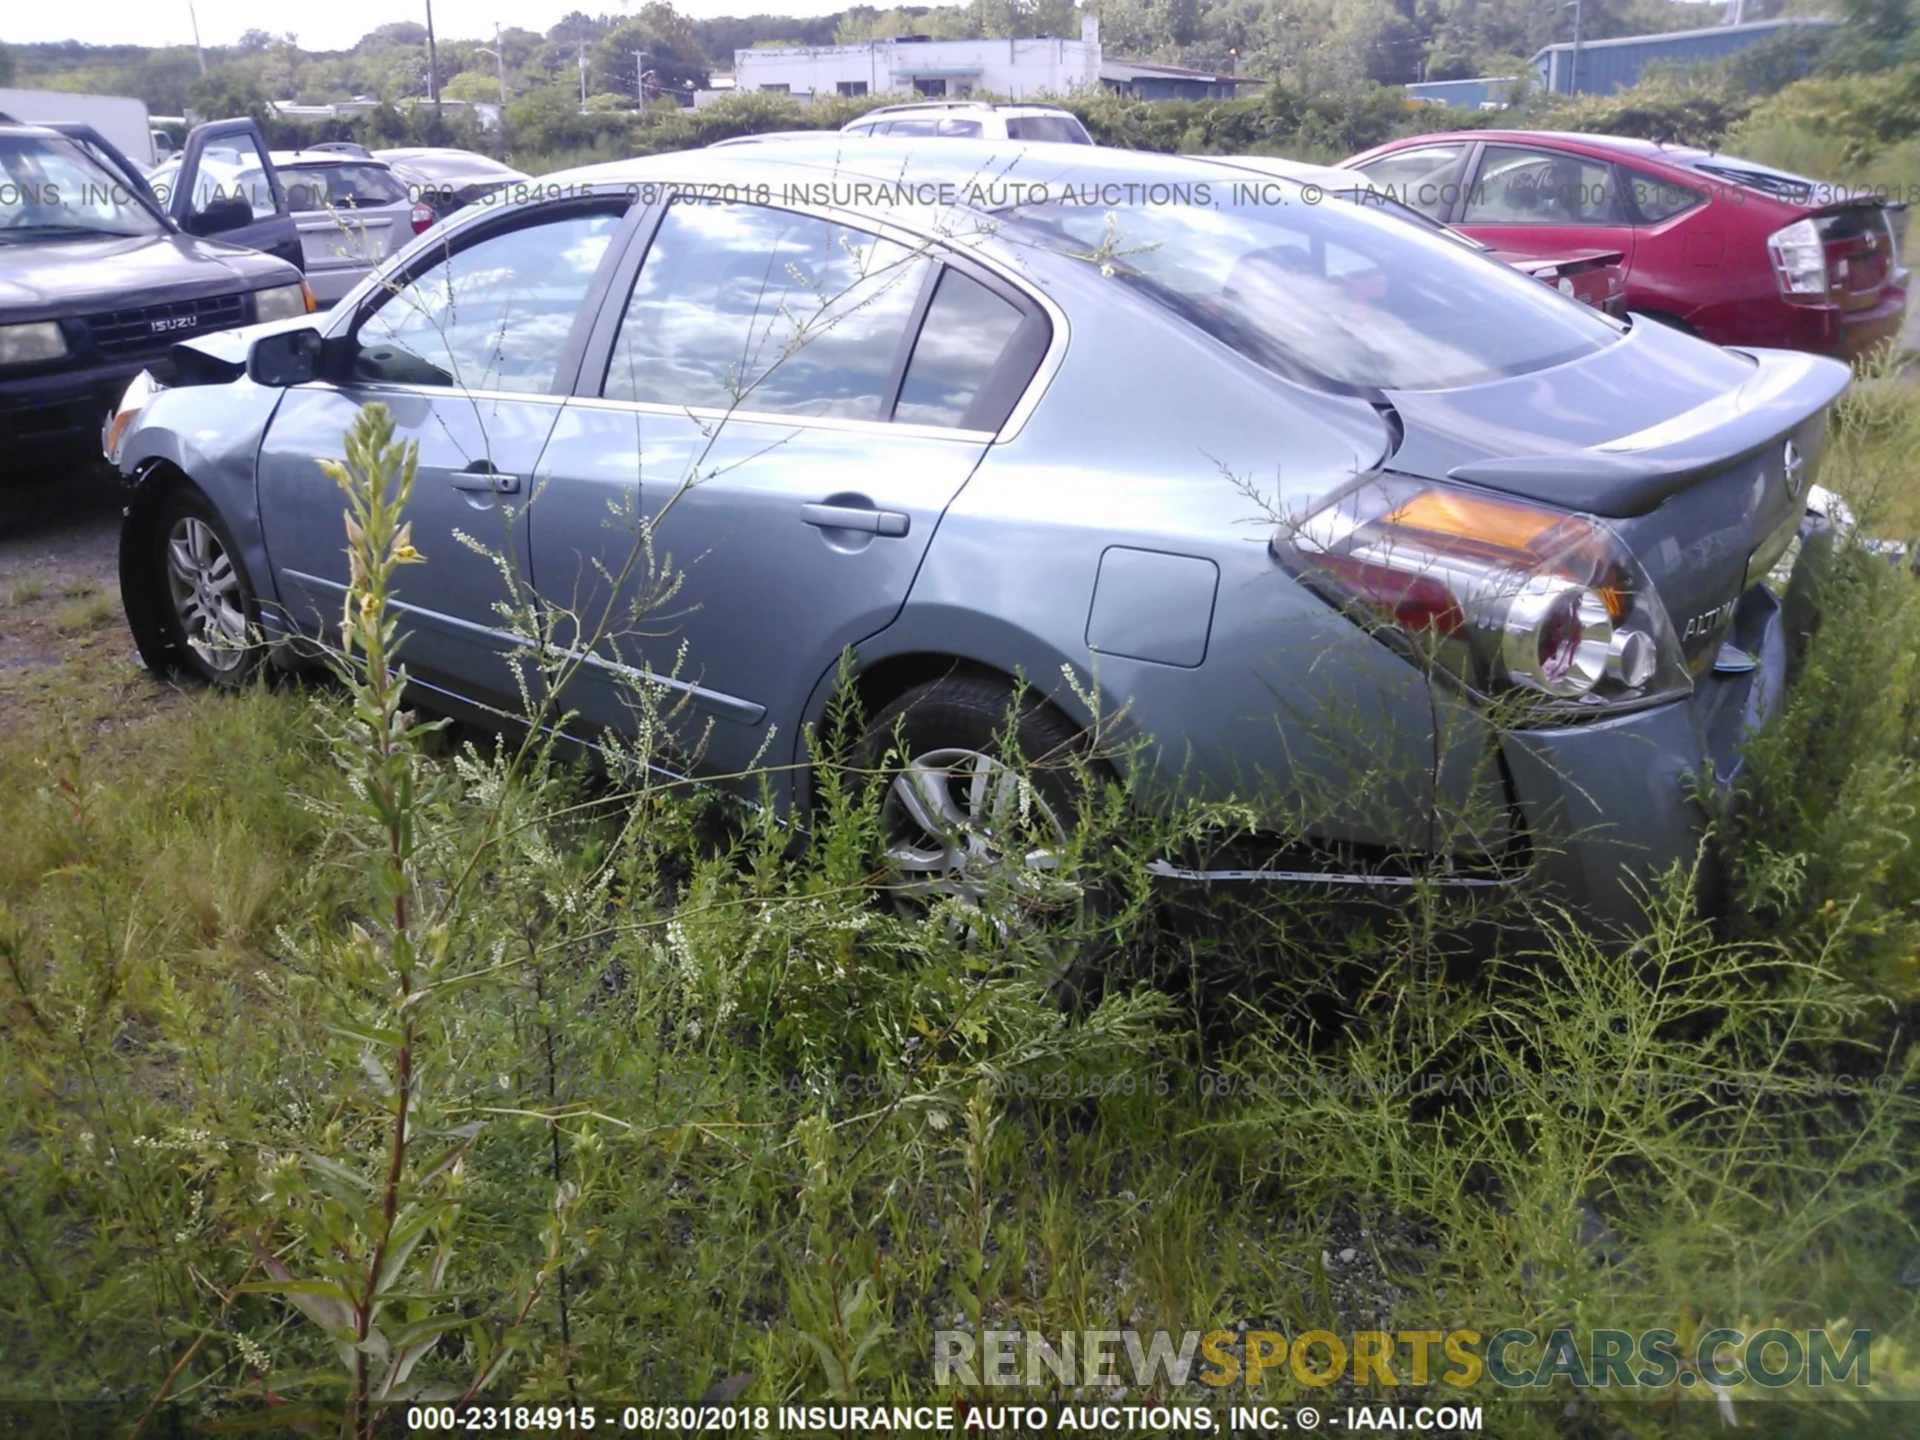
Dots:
pixel 1699 458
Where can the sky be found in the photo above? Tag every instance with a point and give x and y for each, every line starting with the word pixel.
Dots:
pixel 328 24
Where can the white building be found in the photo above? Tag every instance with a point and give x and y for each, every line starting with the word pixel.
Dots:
pixel 939 68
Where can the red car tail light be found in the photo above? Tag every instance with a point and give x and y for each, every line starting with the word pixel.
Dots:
pixel 424 217
pixel 1504 597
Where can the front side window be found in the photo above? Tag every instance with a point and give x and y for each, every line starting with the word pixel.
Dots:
pixel 1522 186
pixel 233 167
pixel 1425 178
pixel 494 315
pixel 1342 296
pixel 748 307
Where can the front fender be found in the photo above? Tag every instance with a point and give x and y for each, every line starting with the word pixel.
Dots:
pixel 211 434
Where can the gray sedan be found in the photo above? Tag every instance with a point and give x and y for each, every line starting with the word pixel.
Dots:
pixel 1449 575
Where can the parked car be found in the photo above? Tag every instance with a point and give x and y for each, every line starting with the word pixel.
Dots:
pixel 1594 277
pixel 1329 511
pixel 350 213
pixel 973 120
pixel 1737 253
pixel 448 179
pixel 97 283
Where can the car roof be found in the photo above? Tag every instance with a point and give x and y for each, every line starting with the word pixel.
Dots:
pixel 297 158
pixel 1620 144
pixel 897 172
pixel 998 107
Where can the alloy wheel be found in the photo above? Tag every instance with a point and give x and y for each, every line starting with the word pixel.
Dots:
pixel 206 594
pixel 962 825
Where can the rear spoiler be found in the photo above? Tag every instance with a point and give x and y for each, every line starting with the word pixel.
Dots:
pixel 1634 474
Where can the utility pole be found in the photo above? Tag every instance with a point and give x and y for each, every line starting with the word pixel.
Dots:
pixel 433 62
pixel 191 15
pixel 500 55
pixel 640 77
pixel 1578 8
pixel 583 74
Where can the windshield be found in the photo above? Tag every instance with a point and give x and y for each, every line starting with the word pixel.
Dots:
pixel 1342 296
pixel 50 187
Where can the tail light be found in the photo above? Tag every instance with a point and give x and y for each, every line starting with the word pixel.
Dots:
pixel 424 217
pixel 1508 599
pixel 1799 259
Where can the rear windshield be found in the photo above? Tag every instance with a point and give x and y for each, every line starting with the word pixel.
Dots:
pixel 1339 295
pixel 323 187
pixel 1062 128
pixel 1782 184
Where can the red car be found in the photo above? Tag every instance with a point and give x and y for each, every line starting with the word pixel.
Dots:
pixel 1736 252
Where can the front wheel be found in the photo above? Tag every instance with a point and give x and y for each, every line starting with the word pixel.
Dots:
pixel 206 603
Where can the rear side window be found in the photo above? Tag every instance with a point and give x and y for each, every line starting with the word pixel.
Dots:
pixel 1061 128
pixel 962 342
pixel 1655 199
pixel 748 307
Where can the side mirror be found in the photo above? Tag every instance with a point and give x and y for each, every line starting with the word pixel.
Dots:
pixel 290 357
pixel 227 212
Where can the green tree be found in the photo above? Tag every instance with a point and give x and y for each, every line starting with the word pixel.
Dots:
pixel 665 39
pixel 225 93
pixel 6 66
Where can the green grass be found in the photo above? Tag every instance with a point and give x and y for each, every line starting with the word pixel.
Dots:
pixel 731 1116
pixel 25 592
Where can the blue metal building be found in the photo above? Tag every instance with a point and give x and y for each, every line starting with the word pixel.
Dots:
pixel 1609 65
pixel 1464 94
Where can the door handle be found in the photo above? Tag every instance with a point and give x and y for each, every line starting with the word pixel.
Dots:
pixel 890 523
pixel 483 479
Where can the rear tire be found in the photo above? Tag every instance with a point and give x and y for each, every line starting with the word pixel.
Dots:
pixel 961 826
pixel 202 596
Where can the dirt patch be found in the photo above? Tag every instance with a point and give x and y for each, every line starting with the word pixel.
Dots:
pixel 66 655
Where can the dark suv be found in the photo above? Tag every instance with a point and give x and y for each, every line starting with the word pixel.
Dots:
pixel 97 280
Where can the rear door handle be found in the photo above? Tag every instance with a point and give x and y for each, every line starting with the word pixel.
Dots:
pixel 483 479
pixel 890 523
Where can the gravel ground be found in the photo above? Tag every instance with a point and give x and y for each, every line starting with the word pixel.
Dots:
pixel 64 645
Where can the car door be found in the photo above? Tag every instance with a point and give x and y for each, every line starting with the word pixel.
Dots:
pixel 226 188
pixel 1535 201
pixel 472 349
pixel 776 411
